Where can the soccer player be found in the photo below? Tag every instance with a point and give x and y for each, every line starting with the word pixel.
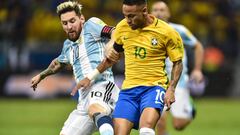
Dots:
pixel 182 110
pixel 146 42
pixel 84 50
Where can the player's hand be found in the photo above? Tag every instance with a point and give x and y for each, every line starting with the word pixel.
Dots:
pixel 83 84
pixel 196 75
pixel 111 54
pixel 169 98
pixel 34 81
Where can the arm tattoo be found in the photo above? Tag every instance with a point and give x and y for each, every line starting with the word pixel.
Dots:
pixel 53 68
pixel 176 73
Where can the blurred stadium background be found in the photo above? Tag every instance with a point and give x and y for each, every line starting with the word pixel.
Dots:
pixel 31 36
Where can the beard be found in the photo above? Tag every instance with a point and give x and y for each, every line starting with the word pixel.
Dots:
pixel 133 27
pixel 73 36
pixel 139 23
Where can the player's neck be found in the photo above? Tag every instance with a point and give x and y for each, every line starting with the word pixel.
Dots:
pixel 149 20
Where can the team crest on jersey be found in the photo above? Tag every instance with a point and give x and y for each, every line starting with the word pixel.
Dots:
pixel 154 41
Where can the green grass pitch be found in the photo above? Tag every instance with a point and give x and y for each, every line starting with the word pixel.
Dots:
pixel 46 117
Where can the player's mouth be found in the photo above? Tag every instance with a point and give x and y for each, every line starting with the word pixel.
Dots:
pixel 71 32
pixel 132 26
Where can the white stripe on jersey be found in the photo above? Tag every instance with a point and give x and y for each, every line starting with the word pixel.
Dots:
pixel 71 55
pixel 101 55
pixel 84 60
pixel 101 50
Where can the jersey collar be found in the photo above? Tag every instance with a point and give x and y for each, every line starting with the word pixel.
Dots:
pixel 154 24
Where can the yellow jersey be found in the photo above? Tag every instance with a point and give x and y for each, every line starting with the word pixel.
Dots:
pixel 145 52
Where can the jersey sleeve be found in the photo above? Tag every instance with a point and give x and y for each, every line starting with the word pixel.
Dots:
pixel 98 28
pixel 63 58
pixel 118 34
pixel 118 44
pixel 188 38
pixel 174 46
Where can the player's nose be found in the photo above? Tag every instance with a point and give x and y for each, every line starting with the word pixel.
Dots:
pixel 129 21
pixel 69 26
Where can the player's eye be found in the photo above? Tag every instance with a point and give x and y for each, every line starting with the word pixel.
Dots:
pixel 131 16
pixel 64 22
pixel 72 20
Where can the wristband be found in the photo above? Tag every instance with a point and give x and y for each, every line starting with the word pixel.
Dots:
pixel 93 75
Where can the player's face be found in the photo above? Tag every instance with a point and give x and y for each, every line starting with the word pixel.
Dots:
pixel 161 11
pixel 135 15
pixel 72 24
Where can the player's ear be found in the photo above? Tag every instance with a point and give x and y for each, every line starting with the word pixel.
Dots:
pixel 82 18
pixel 145 11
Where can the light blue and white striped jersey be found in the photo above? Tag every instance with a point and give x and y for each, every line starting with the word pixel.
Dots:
pixel 86 53
pixel 188 40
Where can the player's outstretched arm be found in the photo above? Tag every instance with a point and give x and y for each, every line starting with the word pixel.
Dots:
pixel 197 74
pixel 175 75
pixel 53 68
pixel 112 56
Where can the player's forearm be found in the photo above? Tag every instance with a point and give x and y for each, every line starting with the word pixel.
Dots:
pixel 176 73
pixel 104 65
pixel 53 68
pixel 199 52
pixel 112 33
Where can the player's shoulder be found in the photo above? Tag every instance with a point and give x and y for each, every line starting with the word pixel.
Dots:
pixel 178 27
pixel 94 21
pixel 122 23
pixel 163 28
pixel 66 44
pixel 122 26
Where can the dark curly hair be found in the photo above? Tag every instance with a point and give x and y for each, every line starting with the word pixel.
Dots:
pixel 134 2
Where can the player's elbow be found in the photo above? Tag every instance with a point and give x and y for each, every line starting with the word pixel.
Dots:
pixel 179 127
pixel 199 47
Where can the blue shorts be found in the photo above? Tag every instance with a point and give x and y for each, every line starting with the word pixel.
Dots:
pixel 131 102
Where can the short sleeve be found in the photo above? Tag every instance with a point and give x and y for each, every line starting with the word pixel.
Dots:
pixel 63 57
pixel 94 26
pixel 117 35
pixel 174 46
pixel 188 38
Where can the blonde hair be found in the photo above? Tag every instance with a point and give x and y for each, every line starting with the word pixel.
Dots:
pixel 69 6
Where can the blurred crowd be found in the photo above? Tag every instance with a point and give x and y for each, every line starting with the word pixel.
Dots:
pixel 31 34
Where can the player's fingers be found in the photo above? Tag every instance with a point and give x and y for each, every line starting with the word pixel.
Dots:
pixel 74 91
pixel 33 84
pixel 34 87
pixel 113 55
pixel 113 59
pixel 165 100
pixel 168 103
pixel 86 85
pixel 168 108
pixel 83 88
pixel 172 101
pixel 32 81
pixel 115 52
